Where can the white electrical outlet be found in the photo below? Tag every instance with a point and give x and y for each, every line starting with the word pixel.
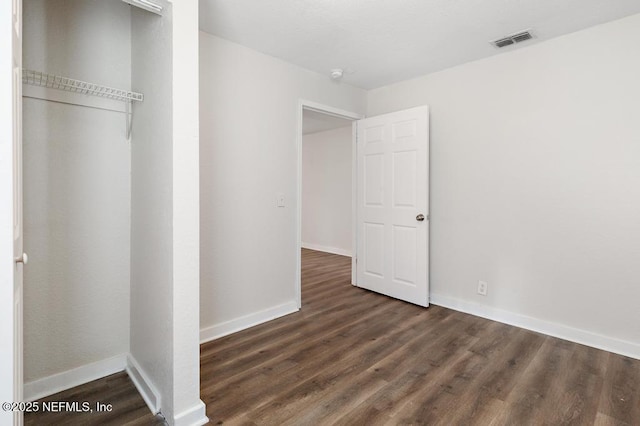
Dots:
pixel 482 288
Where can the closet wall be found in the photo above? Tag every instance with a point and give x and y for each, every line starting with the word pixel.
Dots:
pixel 152 185
pixel 77 190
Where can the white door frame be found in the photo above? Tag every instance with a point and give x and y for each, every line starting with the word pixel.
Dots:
pixel 10 373
pixel 340 113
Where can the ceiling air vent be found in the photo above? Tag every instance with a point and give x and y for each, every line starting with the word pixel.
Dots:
pixel 512 39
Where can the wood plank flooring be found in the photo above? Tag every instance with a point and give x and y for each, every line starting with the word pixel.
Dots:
pixel 353 357
pixel 128 406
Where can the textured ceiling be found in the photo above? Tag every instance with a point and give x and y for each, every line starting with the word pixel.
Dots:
pixel 385 41
pixel 314 122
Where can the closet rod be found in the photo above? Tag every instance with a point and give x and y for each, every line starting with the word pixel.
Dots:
pixel 72 104
pixel 51 81
pixel 38 78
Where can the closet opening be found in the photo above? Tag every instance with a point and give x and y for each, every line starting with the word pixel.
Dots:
pixel 97 148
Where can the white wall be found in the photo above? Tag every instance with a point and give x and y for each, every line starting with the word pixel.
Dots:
pixel 187 407
pixel 152 203
pixel 76 191
pixel 326 190
pixel 248 115
pixel 535 169
pixel 165 212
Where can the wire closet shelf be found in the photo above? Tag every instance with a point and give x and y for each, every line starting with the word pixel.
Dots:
pixel 37 78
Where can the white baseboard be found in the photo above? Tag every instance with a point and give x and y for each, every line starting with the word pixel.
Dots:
pixel 144 385
pixel 78 376
pixel 194 416
pixel 220 330
pixel 576 335
pixel 327 249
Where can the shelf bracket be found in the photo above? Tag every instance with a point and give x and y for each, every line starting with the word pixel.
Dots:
pixel 128 119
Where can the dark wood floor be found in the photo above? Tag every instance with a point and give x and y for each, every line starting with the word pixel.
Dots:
pixel 128 406
pixel 353 357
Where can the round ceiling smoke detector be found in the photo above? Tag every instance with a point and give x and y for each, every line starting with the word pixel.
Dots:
pixel 337 73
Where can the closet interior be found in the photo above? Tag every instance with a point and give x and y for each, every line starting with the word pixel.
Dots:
pixel 97 120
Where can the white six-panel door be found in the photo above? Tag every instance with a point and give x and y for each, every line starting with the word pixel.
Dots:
pixel 393 204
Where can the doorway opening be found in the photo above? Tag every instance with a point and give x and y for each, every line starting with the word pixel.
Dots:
pixel 326 184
